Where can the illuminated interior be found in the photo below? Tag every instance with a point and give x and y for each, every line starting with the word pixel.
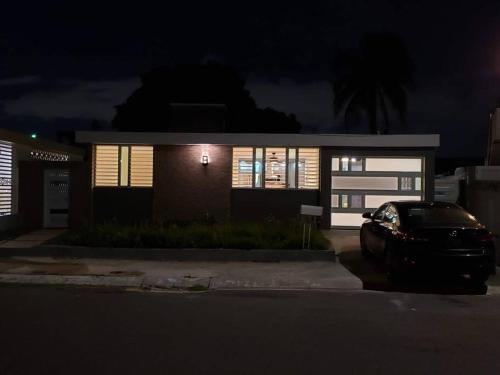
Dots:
pixel 126 166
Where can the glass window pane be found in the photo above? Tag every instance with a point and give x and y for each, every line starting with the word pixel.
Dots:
pixel 308 168
pixel 393 165
pixel 345 164
pixel 292 162
pixel 345 201
pixel 124 157
pixel 275 168
pixel 259 152
pixel 335 164
pixel 335 200
pixel 356 164
pixel 364 183
pixel 356 201
pixel 242 167
pixel 406 183
pixel 418 183
pixel 106 165
pixel 141 166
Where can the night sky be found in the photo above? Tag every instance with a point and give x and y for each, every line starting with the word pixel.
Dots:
pixel 64 63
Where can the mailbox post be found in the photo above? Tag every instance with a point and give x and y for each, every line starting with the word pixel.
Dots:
pixel 309 213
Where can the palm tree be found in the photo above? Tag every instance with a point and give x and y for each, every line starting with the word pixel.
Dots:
pixel 373 81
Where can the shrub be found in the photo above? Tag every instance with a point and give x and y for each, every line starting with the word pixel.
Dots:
pixel 198 234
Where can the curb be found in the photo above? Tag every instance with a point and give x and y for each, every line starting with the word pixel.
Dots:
pixel 216 255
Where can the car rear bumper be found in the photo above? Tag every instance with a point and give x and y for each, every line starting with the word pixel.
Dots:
pixel 455 261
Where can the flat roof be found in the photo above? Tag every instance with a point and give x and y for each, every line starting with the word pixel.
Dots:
pixel 39 143
pixel 259 139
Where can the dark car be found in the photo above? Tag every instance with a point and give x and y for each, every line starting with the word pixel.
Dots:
pixel 431 236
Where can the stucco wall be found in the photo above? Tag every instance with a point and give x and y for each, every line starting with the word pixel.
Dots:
pixel 185 189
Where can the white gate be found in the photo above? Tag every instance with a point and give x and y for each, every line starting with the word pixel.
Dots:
pixel 56 198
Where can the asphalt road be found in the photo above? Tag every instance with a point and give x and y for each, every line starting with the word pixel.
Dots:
pixel 49 330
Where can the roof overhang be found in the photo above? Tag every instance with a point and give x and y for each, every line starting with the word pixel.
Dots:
pixel 39 143
pixel 257 139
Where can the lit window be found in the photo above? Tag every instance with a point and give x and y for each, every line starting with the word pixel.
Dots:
pixel 242 167
pixel 106 165
pixel 124 158
pixel 123 166
pixel 308 168
pixel 292 165
pixel 356 164
pixel 418 183
pixel 141 166
pixel 258 166
pixel 345 201
pixel 275 170
pixel 335 200
pixel 406 183
pixel 5 179
pixel 335 164
pixel 356 201
pixel 345 164
pixel 275 167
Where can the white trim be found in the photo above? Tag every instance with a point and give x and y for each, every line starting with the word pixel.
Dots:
pixel 258 139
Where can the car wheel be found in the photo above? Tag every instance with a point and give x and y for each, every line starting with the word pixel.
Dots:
pixel 362 241
pixel 479 277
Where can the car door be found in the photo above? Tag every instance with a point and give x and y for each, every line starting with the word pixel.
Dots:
pixel 374 228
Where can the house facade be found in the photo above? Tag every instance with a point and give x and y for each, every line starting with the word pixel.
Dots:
pixel 34 181
pixel 134 177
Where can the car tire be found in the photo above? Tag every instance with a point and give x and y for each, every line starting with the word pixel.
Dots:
pixel 362 242
pixel 479 277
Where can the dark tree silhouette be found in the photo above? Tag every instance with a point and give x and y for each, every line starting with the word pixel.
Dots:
pixel 147 109
pixel 374 81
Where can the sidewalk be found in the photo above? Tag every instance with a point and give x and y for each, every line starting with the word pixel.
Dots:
pixel 178 275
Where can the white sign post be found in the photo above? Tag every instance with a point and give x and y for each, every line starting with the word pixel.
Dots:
pixel 310 213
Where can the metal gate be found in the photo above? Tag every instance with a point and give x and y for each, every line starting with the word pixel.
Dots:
pixel 56 198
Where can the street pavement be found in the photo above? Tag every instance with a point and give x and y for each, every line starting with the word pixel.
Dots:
pixel 68 330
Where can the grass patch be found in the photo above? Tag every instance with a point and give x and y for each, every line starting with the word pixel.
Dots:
pixel 266 235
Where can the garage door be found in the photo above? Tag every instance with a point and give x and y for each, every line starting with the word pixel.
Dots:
pixel 361 184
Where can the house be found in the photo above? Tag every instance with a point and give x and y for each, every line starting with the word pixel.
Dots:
pixel 133 177
pixel 34 180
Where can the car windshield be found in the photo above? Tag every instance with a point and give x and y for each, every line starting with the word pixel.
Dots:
pixel 437 215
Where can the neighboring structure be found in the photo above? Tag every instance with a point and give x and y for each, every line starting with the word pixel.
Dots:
pixel 34 181
pixel 493 147
pixel 183 176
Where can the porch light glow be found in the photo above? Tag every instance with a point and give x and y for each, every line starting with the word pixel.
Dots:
pixel 204 159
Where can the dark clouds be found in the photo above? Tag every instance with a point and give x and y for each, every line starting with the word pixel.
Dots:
pixel 63 62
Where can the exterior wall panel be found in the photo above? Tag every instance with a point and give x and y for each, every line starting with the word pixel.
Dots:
pixel 185 189
pixel 259 204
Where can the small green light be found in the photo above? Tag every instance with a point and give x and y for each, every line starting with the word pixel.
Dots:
pixel 33 135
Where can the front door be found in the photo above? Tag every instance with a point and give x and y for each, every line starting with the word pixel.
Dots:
pixel 56 198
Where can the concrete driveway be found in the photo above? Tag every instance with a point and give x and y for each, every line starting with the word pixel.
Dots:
pixel 372 273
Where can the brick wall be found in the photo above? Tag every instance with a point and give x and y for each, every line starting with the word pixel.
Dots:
pixel 185 189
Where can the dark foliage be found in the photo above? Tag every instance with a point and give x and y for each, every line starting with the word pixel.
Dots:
pixel 372 81
pixel 147 109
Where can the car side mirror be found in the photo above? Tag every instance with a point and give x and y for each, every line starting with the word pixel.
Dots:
pixel 367 215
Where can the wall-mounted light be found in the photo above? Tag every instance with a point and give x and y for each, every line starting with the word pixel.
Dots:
pixel 204 159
